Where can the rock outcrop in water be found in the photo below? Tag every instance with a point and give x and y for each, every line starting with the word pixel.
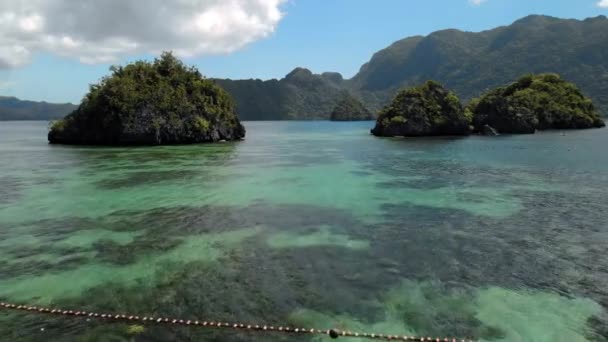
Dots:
pixel 489 131
pixel 534 102
pixel 429 109
pixel 143 103
pixel 350 109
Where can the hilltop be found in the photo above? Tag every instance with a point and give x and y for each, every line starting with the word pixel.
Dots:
pixel 151 103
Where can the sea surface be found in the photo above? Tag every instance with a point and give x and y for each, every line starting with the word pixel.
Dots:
pixel 309 224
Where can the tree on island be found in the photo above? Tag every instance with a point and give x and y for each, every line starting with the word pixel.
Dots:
pixel 429 109
pixel 534 102
pixel 151 103
pixel 350 109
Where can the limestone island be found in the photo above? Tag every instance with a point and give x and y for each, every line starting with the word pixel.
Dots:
pixel 426 110
pixel 350 109
pixel 534 102
pixel 151 103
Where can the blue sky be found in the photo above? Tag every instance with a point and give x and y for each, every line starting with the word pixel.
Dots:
pixel 322 35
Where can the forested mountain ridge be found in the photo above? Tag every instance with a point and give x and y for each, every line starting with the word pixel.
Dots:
pixel 300 95
pixel 469 63
pixel 12 108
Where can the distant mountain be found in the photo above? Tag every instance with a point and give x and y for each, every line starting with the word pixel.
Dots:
pixel 470 63
pixel 467 62
pixel 11 108
pixel 300 95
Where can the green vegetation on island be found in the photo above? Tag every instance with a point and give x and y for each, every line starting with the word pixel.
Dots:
pixel 151 103
pixel 429 109
pixel 534 102
pixel 350 109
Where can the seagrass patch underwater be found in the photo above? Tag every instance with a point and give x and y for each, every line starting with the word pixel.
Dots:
pixel 309 223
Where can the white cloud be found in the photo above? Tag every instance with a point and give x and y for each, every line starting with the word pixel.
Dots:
pixel 602 3
pixel 101 31
pixel 479 2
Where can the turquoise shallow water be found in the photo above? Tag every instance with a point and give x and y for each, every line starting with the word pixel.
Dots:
pixel 310 223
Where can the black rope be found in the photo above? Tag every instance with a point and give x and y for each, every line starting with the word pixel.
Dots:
pixel 333 333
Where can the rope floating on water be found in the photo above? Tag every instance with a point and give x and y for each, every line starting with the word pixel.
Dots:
pixel 333 333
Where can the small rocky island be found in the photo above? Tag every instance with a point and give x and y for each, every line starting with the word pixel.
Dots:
pixel 426 110
pixel 350 109
pixel 534 102
pixel 151 103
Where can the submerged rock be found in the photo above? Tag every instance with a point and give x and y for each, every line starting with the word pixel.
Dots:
pixel 143 103
pixel 429 109
pixel 534 102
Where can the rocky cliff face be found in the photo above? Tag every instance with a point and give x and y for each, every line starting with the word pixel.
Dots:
pixel 143 103
pixel 535 102
pixel 425 110
pixel 148 128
